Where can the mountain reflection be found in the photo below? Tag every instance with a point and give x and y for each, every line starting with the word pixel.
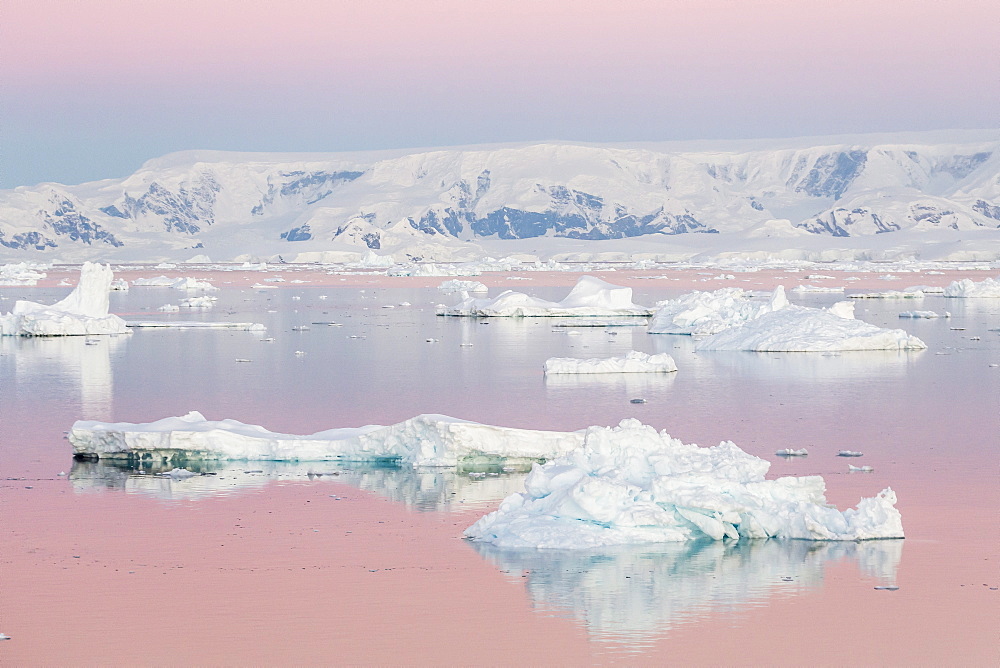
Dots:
pixel 430 489
pixel 635 594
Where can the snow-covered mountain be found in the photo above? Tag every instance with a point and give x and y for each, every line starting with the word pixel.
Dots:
pixel 806 193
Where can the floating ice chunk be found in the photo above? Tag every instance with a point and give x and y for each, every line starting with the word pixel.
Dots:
pixel 194 324
pixel 589 297
pixel 119 285
pixel 804 329
pixel 179 473
pixel 969 289
pixel 83 312
pixel 889 294
pixel 633 362
pixel 924 314
pixel 860 469
pixel 816 288
pixel 456 285
pixel 788 452
pixel 850 453
pixel 631 484
pixel 169 308
pixel 426 440
pixel 186 283
pixel 199 302
pixel 702 313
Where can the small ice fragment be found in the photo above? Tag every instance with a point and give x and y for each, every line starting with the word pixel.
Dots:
pixel 296 298
pixel 466 345
pixel 850 453
pixel 178 473
pixel 788 452
pixel 637 401
pixel 405 304
pixel 433 340
pixel 300 353
pixel 240 359
pixel 322 297
pixel 268 339
pixel 300 328
pixel 4 636
pixel 860 469
pixel 61 473
pixel 388 306
pixel 887 587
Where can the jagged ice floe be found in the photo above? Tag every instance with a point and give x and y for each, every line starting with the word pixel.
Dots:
pixel 589 297
pixel 630 484
pixel 83 312
pixel 702 313
pixel 633 362
pixel 456 285
pixel 967 288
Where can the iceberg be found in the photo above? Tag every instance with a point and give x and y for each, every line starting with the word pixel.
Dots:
pixel 83 312
pixel 704 313
pixel 969 289
pixel 633 362
pixel 924 314
pixel 456 285
pixel 425 440
pixel 632 485
pixel 20 274
pixel 804 329
pixel 187 283
pixel 589 297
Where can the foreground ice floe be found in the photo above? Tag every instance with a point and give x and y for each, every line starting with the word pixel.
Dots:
pixel 701 313
pixel 425 440
pixel 630 484
pixel 804 329
pixel 589 297
pixel 987 288
pixel 633 362
pixel 83 312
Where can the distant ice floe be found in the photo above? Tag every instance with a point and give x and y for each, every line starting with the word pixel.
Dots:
pixel 426 440
pixel 20 274
pixel 804 329
pixel 969 289
pixel 193 324
pixel 924 314
pixel 816 288
pixel 633 362
pixel 456 285
pixel 630 485
pixel 187 283
pixel 702 313
pixel 589 297
pixel 83 312
pixel 889 294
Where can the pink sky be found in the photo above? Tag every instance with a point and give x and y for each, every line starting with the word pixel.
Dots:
pixel 172 74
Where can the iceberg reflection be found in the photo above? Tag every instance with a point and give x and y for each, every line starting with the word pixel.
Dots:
pixel 636 594
pixel 431 489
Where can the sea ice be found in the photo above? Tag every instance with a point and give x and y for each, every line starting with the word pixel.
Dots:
pixel 989 287
pixel 20 274
pixel 187 283
pixel 194 324
pixel 703 313
pixel 816 288
pixel 589 297
pixel 633 362
pixel 630 484
pixel 83 312
pixel 804 329
pixel 924 314
pixel 889 294
pixel 426 440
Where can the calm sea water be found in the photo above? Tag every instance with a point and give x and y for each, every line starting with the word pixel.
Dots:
pixel 928 422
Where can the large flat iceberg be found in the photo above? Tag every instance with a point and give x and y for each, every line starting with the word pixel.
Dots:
pixel 804 329
pixel 633 362
pixel 703 313
pixel 969 289
pixel 630 484
pixel 425 440
pixel 83 312
pixel 589 297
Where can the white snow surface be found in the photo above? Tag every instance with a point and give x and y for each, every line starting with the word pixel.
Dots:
pixel 633 362
pixel 630 484
pixel 589 297
pixel 20 274
pixel 703 313
pixel 425 440
pixel 969 289
pixel 83 312
pixel 803 329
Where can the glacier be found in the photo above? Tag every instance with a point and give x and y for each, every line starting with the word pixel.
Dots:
pixel 631 484
pixel 83 312
pixel 633 362
pixel 589 297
